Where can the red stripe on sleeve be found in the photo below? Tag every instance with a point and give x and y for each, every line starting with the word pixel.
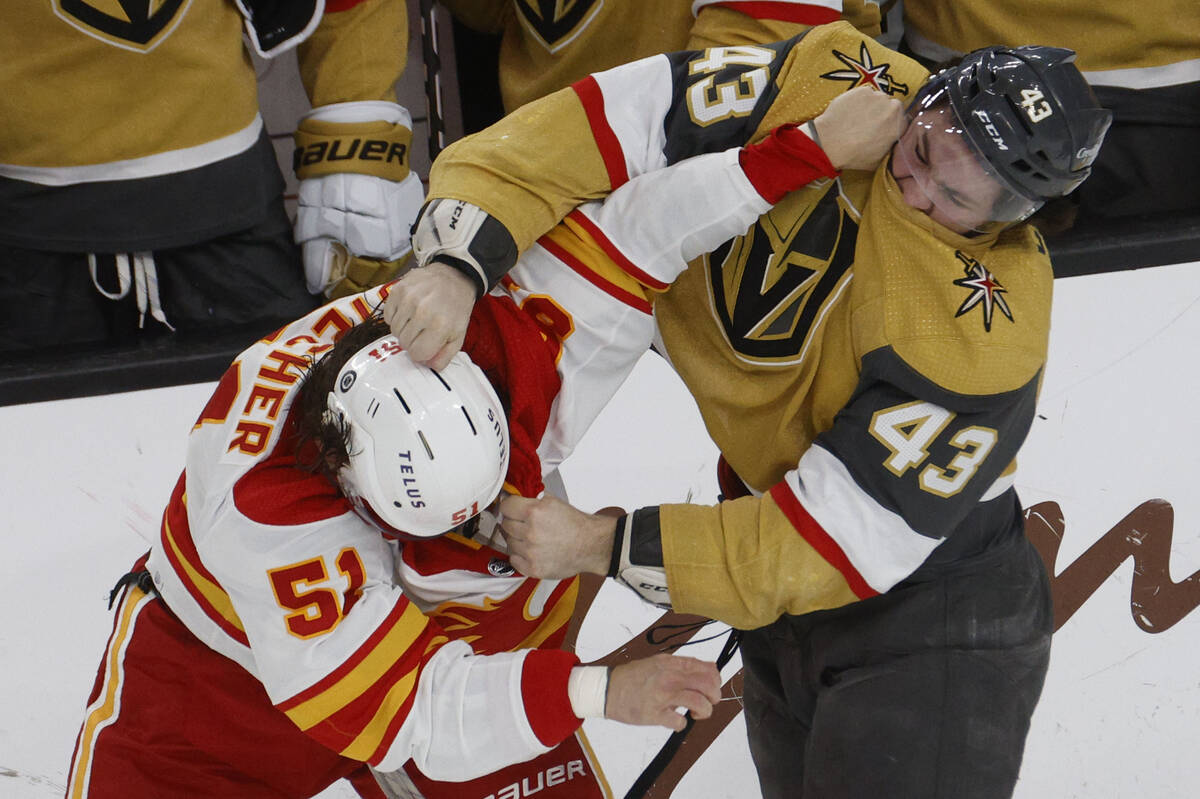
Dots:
pixel 544 689
pixel 407 659
pixel 348 723
pixel 393 728
pixel 786 12
pixel 618 257
pixel 592 98
pixel 818 539
pixel 585 272
pixel 176 530
pixel 333 6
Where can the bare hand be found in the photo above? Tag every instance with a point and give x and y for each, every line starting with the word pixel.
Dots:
pixel 549 539
pixel 428 310
pixel 858 128
pixel 648 691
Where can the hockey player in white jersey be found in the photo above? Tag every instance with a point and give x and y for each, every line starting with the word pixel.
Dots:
pixel 304 613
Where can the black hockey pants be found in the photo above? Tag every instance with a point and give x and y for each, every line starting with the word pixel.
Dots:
pixel 55 300
pixel 924 692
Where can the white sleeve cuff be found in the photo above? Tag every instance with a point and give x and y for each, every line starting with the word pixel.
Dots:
pixel 587 688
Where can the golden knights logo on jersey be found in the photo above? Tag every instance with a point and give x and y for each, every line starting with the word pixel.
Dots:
pixel 556 22
pixel 863 71
pixel 139 25
pixel 986 291
pixel 772 286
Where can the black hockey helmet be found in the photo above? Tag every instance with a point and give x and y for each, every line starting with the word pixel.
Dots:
pixel 1029 112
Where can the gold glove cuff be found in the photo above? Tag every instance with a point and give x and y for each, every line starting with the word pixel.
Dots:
pixel 380 149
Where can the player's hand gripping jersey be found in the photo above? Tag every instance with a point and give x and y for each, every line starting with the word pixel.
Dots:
pixel 869 374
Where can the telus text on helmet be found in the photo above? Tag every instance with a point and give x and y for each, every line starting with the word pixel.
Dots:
pixel 410 483
pixel 499 433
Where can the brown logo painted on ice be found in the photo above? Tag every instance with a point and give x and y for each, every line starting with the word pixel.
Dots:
pixel 1156 602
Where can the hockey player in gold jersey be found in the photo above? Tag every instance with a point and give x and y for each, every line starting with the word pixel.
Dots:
pixel 866 356
pixel 139 188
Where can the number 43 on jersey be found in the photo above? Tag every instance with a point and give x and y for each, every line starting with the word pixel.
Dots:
pixel 909 430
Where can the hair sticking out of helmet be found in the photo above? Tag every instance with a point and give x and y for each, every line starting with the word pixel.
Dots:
pixel 1029 116
pixel 427 450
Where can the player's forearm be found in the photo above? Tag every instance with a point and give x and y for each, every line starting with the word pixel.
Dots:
pixel 741 562
pixel 522 695
pixel 357 52
pixel 529 170
pixel 650 227
pixel 656 223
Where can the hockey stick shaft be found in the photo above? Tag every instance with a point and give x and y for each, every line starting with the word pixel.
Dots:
pixel 655 767
pixel 432 62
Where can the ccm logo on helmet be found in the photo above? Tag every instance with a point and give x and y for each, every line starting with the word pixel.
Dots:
pixel 990 129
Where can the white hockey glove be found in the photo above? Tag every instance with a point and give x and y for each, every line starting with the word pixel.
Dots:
pixel 637 559
pixel 358 198
pixel 466 237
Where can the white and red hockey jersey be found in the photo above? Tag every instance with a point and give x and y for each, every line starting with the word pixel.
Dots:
pixel 268 564
pixel 429 650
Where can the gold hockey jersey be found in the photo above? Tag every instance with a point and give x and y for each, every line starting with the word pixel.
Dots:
pixel 869 374
pixel 546 46
pixel 129 132
pixel 1130 45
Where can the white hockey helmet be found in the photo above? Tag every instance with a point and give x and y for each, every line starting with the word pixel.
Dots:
pixel 427 450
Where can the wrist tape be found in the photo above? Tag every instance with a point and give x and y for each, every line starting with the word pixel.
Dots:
pixel 587 688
